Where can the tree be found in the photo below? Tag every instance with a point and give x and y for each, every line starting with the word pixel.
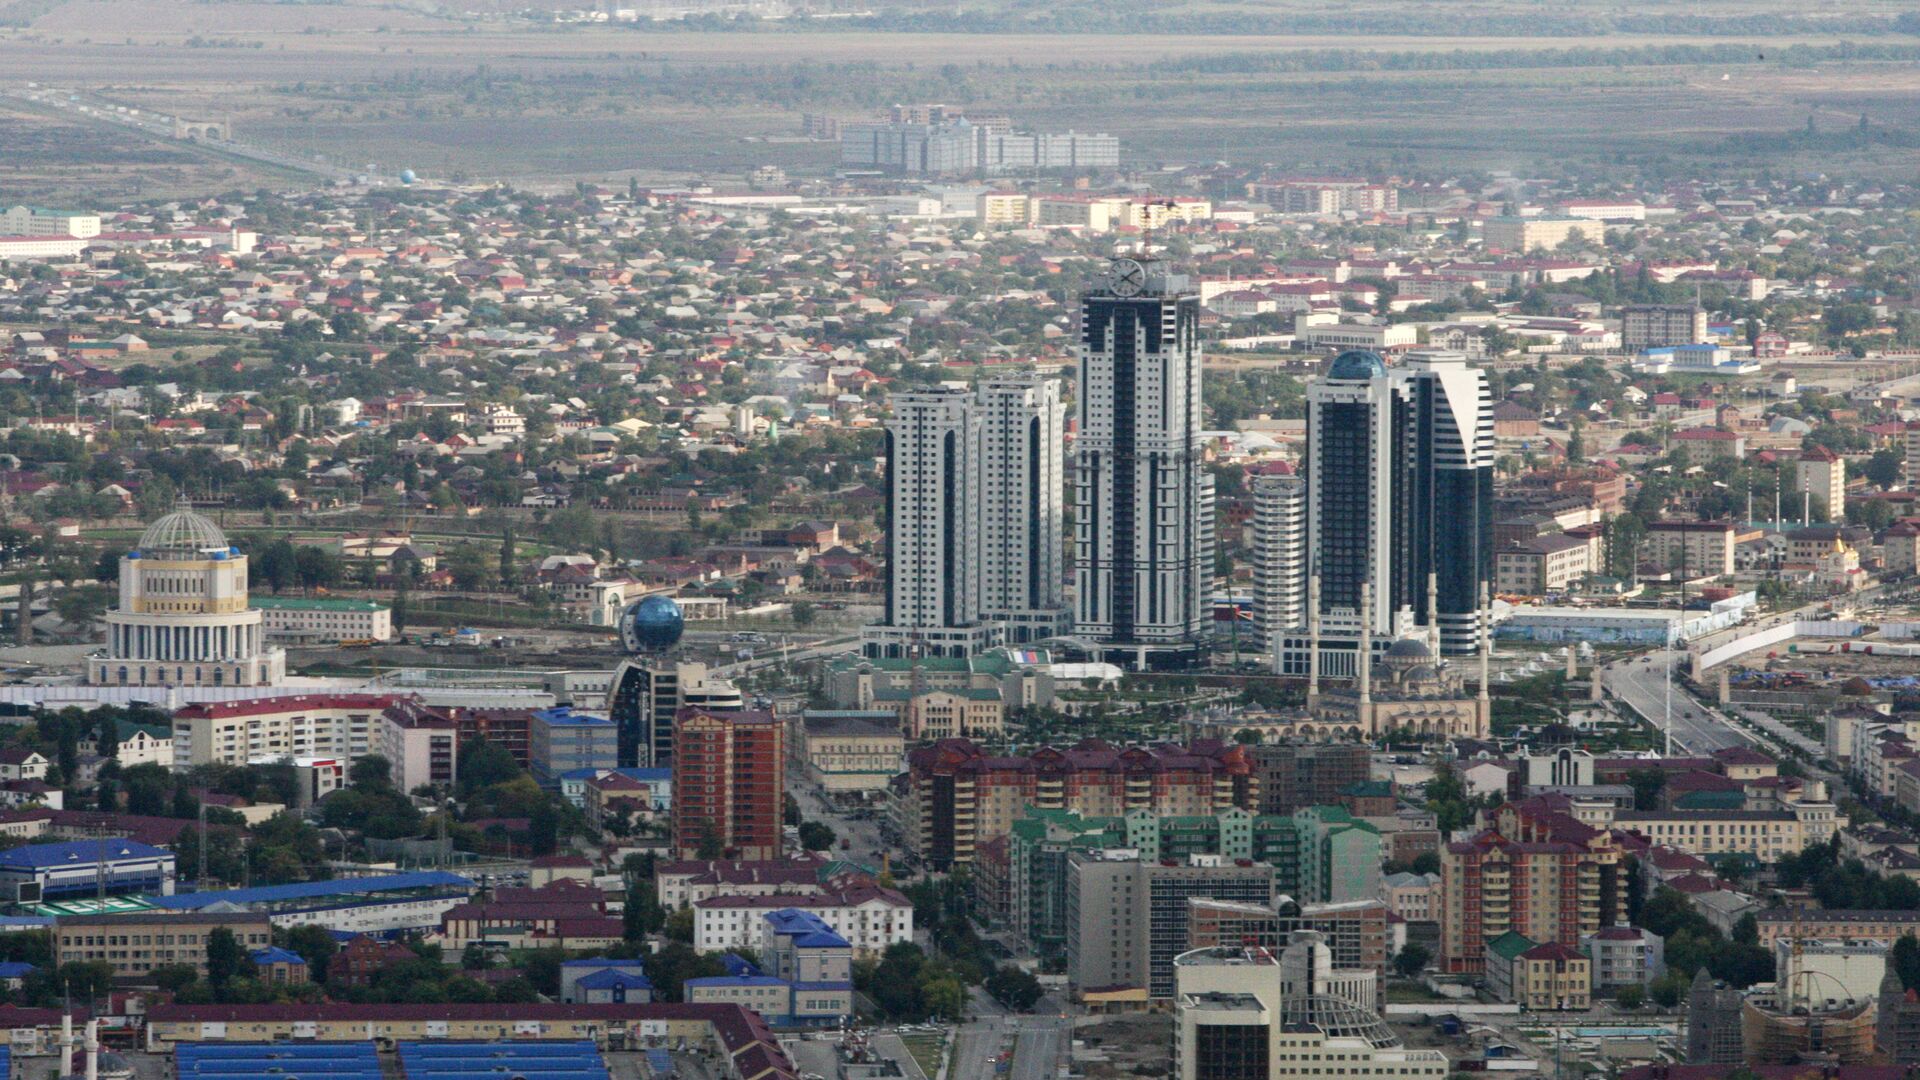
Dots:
pixel 711 845
pixel 507 562
pixel 1905 961
pixel 1014 987
pixel 675 963
pixel 372 771
pixel 815 837
pixel 1412 960
pixel 402 607
pixel 316 568
pixel 482 765
pixel 226 958
pixel 1630 996
pixel 1668 989
pixel 315 945
pixel 543 828
pixel 1883 468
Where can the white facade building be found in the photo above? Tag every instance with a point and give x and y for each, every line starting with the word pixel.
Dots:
pixel 34 221
pixel 934 500
pixel 871 919
pixel 1279 555
pixel 1023 442
pixel 183 618
pixel 1143 526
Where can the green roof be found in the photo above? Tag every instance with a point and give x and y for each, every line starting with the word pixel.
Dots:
pixel 309 603
pixel 1510 944
pixel 925 663
pixel 126 729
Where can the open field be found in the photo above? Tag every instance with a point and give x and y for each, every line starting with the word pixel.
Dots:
pixel 488 99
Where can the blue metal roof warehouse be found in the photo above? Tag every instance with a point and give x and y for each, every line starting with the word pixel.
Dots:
pixel 562 1060
pixel 250 1061
pixel 315 890
pixel 119 864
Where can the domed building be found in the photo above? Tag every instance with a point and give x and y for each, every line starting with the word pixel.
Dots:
pixel 1410 690
pixel 183 618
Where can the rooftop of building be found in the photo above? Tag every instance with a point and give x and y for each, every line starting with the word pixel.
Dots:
pixel 314 890
pixel 312 603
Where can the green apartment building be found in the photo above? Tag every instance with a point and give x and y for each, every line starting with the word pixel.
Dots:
pixel 1319 855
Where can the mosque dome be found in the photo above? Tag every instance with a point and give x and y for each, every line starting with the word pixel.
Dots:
pixel 1357 364
pixel 1407 652
pixel 182 533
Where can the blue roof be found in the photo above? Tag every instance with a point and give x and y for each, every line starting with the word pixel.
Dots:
pixel 795 921
pixel 646 776
pixel 820 939
pixel 737 980
pixel 274 954
pixel 736 964
pixel 1357 364
pixel 77 853
pixel 562 716
pixel 308 890
pixel 613 979
pixel 15 969
pixel 603 962
pixel 25 922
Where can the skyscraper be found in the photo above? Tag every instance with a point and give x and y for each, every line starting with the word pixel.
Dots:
pixel 1023 519
pixel 1279 554
pixel 934 507
pixel 1399 500
pixel 975 531
pixel 1143 527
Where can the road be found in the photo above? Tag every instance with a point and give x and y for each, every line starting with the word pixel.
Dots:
pixel 1041 1047
pixel 1641 684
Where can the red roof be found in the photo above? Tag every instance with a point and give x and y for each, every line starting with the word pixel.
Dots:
pixel 289 703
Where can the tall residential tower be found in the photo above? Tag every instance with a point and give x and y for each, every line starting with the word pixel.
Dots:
pixel 1023 530
pixel 934 504
pixel 1143 527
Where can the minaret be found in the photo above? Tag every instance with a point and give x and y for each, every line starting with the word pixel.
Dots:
pixel 66 1040
pixel 93 1050
pixel 1433 615
pixel 1313 641
pixel 1363 665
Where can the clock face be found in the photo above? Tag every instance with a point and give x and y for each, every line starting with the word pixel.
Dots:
pixel 1127 277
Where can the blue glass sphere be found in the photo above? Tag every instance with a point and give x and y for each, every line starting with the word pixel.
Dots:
pixel 407 177
pixel 652 625
pixel 1357 364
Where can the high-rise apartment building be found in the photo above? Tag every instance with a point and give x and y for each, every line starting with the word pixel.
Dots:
pixel 1143 529
pixel 1536 872
pixel 1279 554
pixel 1822 474
pixel 1126 917
pixel 1650 326
pixel 1023 531
pixel 1399 507
pixel 1293 775
pixel 976 525
pixel 934 503
pixel 729 786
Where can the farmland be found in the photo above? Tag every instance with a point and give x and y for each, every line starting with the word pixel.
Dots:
pixel 495 98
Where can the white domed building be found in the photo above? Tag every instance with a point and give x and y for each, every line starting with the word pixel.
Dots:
pixel 183 618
